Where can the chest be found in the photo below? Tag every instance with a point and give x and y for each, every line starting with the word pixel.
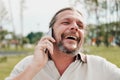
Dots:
pixel 75 71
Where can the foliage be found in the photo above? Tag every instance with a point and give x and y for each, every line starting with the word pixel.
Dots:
pixel 25 40
pixel 3 11
pixel 2 34
pixel 34 37
pixel 104 16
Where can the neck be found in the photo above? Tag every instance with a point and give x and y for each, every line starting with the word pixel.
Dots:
pixel 62 58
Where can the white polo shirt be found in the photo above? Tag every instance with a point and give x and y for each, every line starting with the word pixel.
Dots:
pixel 96 68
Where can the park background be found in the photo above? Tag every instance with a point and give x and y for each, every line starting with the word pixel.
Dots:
pixel 24 22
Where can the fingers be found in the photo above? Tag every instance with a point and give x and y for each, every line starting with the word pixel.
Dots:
pixel 51 39
pixel 40 54
pixel 46 42
pixel 48 46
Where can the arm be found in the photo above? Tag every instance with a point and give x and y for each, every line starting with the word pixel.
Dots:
pixel 38 61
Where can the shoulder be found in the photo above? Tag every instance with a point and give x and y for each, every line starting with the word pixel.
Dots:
pixel 99 62
pixel 20 66
pixel 91 58
pixel 104 67
pixel 24 62
pixel 94 59
pixel 27 59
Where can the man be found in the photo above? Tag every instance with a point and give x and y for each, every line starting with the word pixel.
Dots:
pixel 58 57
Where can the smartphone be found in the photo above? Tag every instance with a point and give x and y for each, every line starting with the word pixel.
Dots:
pixel 49 33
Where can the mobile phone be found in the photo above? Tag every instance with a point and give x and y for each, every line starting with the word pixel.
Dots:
pixel 49 33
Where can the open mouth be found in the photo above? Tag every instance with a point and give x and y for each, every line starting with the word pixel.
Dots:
pixel 71 37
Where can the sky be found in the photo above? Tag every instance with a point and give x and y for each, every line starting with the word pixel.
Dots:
pixel 36 14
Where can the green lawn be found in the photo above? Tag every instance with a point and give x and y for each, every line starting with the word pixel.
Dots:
pixel 111 53
pixel 7 66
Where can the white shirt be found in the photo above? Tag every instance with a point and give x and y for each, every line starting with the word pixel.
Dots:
pixel 96 68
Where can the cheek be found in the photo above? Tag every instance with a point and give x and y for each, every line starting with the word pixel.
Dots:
pixel 57 34
pixel 82 38
pixel 58 31
pixel 81 32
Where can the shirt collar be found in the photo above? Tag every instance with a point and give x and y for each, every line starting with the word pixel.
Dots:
pixel 82 57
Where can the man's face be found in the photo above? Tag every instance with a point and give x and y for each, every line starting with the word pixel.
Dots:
pixel 69 31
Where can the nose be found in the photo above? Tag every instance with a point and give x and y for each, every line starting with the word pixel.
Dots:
pixel 74 27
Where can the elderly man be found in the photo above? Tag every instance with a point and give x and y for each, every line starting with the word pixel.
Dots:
pixel 58 57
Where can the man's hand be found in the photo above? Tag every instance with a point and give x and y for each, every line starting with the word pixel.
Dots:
pixel 44 46
pixel 39 60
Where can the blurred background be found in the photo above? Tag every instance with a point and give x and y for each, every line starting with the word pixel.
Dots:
pixel 24 22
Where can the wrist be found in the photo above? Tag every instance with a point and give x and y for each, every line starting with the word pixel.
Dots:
pixel 34 67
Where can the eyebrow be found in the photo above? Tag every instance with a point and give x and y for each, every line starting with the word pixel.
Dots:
pixel 66 19
pixel 71 19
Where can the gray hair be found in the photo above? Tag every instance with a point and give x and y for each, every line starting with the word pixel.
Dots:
pixel 61 10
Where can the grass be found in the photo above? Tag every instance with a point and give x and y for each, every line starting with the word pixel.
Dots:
pixel 7 66
pixel 111 53
pixel 16 49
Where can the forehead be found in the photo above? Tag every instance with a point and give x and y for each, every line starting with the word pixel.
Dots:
pixel 72 14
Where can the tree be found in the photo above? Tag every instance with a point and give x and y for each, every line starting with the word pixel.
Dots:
pixel 2 34
pixel 103 13
pixel 3 12
pixel 34 37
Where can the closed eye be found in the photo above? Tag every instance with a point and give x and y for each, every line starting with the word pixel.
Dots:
pixel 66 23
pixel 80 26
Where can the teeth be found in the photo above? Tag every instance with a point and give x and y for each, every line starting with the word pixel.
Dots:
pixel 71 37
